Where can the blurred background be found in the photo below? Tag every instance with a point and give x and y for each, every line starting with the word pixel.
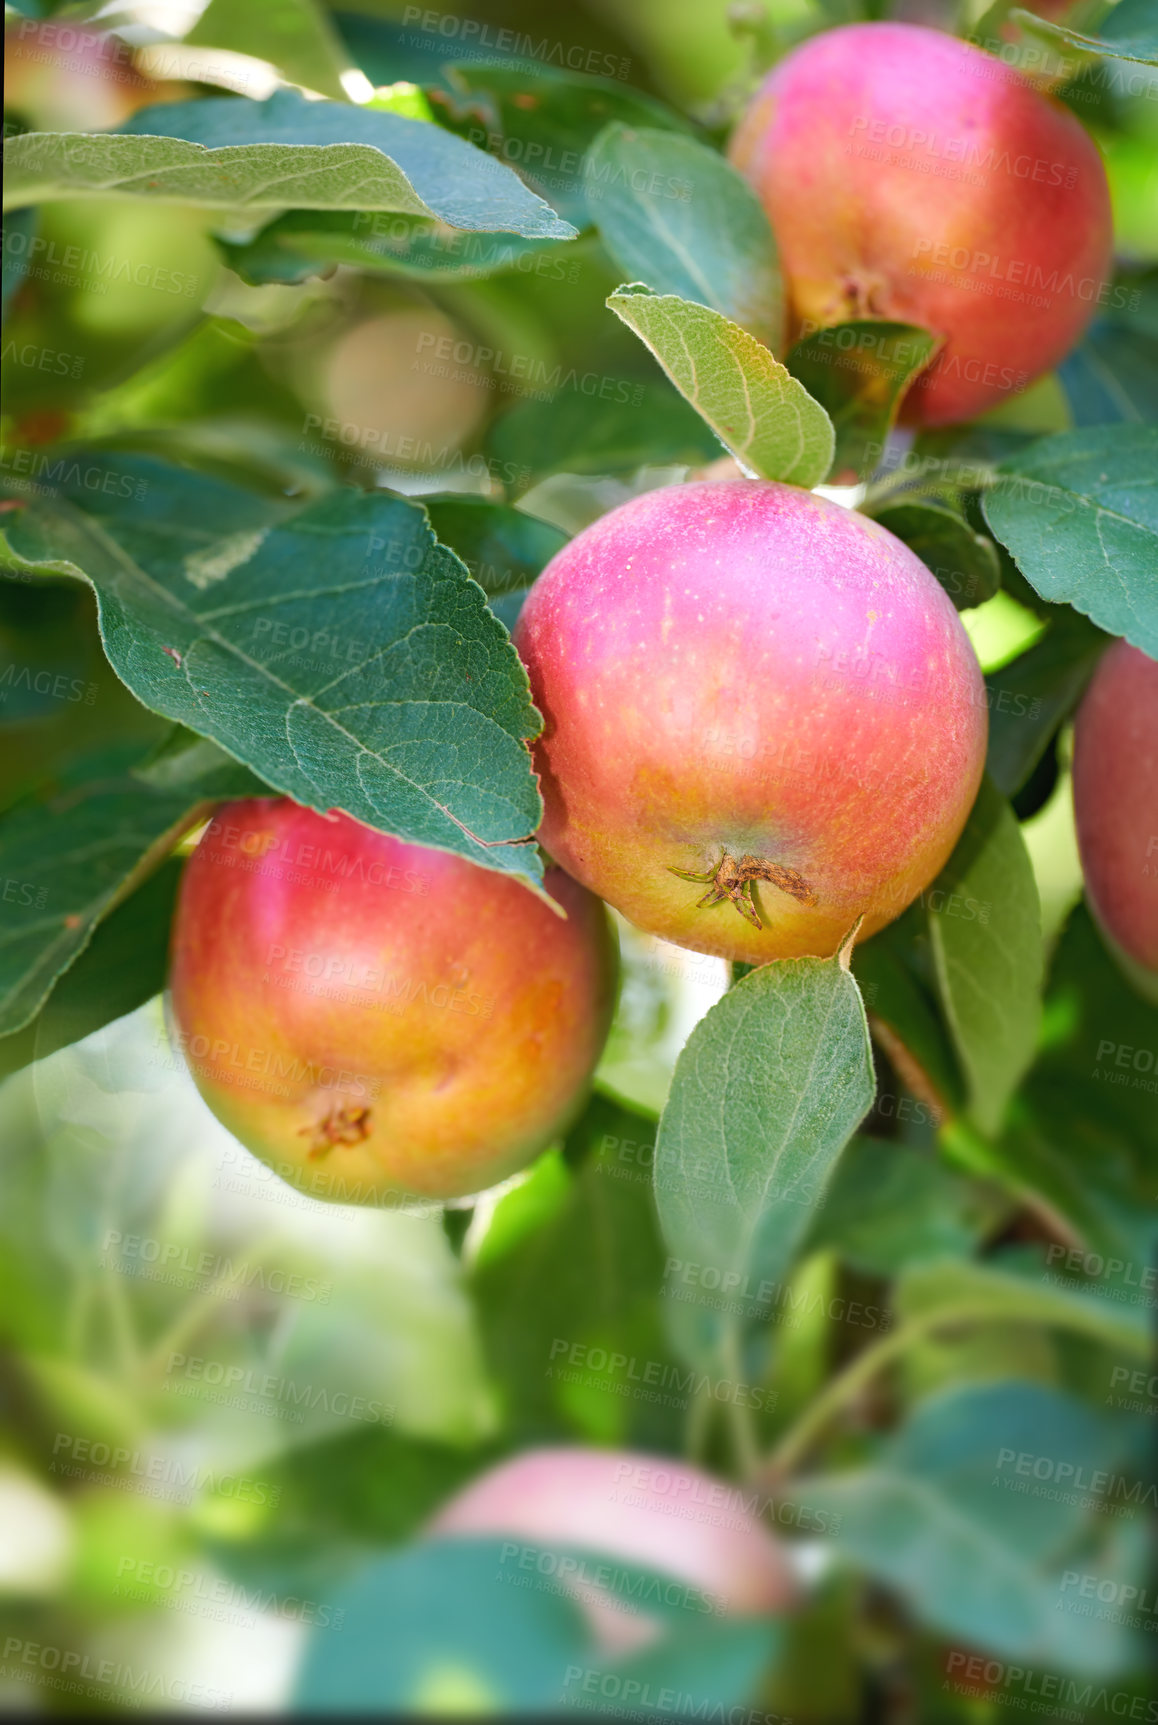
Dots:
pixel 222 1398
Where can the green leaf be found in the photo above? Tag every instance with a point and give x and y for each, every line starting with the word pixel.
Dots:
pixel 65 861
pixel 944 1517
pixel 1018 1294
pixel 767 1092
pixel 295 35
pixel 304 243
pixel 581 434
pixel 122 966
pixel 1112 375
pixel 340 653
pixel 503 548
pixel 985 935
pixel 543 122
pixel 286 152
pixel 1035 693
pixel 678 217
pixel 1129 31
pixel 895 973
pixel 965 563
pixel 569 1310
pixel 859 372
pixel 19 231
pixel 1079 512
pixel 762 415
pixel 890 1206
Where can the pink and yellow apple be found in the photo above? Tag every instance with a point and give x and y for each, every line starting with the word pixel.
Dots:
pixel 913 176
pixel 377 1019
pixel 750 687
pixel 659 1513
pixel 1116 805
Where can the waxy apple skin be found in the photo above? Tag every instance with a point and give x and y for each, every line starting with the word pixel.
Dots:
pixel 746 668
pixel 1116 804
pixel 910 175
pixel 376 1019
pixel 654 1511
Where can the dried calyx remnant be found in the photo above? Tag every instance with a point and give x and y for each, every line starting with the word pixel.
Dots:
pixel 340 1126
pixel 733 880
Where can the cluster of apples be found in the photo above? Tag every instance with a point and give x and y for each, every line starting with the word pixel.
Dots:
pixel 763 721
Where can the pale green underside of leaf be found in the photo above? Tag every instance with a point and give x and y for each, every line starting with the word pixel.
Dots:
pixel 283 153
pixel 1130 32
pixel 1079 512
pixel 767 420
pixel 768 1090
pixel 714 245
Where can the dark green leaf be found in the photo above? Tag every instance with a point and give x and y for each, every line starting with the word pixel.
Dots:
pixel 569 1311
pixel 542 122
pixel 305 243
pixel 859 372
pixel 890 1206
pixel 675 215
pixel 582 434
pixel 895 973
pixel 340 653
pixel 767 1092
pixel 1034 693
pixel 65 861
pixel 1112 375
pixel 122 966
pixel 965 563
pixel 503 548
pixel 19 230
pixel 975 1546
pixel 283 153
pixel 985 935
pixel 765 417
pixel 1079 512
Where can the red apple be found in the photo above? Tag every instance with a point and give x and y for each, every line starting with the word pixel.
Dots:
pixel 650 1511
pixel 1116 804
pixel 910 175
pixel 376 1019
pixel 749 687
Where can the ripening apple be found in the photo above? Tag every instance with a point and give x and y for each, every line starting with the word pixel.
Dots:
pixel 651 1511
pixel 377 1019
pixel 1116 805
pixel 910 175
pixel 763 718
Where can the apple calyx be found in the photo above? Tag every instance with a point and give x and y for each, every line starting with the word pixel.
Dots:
pixel 733 880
